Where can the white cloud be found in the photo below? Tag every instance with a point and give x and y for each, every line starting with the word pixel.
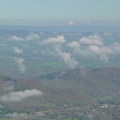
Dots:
pixel 105 51
pixel 31 36
pixel 20 95
pixel 20 62
pixel 26 46
pixel 16 38
pixel 70 61
pixel 92 40
pixel 95 49
pixel 55 40
pixel 17 50
pixel 71 23
pixel 115 47
pixel 100 52
pixel 74 44
pixel 104 57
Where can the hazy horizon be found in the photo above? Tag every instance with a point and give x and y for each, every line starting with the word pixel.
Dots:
pixel 54 13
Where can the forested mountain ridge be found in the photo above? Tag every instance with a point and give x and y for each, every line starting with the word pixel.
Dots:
pixel 97 82
pixel 84 93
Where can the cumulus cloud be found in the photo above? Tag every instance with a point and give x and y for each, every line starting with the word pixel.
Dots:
pixel 16 38
pixel 74 44
pixel 95 49
pixel 91 47
pixel 92 40
pixel 115 47
pixel 100 52
pixel 17 50
pixel 70 61
pixel 31 36
pixel 105 51
pixel 20 62
pixel 26 46
pixel 55 40
pixel 20 95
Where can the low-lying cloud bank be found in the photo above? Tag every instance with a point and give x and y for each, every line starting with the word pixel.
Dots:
pixel 20 95
pixel 94 46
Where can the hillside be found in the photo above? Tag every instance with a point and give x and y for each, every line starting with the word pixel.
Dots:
pixel 93 82
pixel 77 94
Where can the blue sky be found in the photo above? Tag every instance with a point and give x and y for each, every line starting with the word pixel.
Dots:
pixel 59 12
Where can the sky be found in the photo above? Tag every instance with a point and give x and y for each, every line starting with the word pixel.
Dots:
pixel 60 12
